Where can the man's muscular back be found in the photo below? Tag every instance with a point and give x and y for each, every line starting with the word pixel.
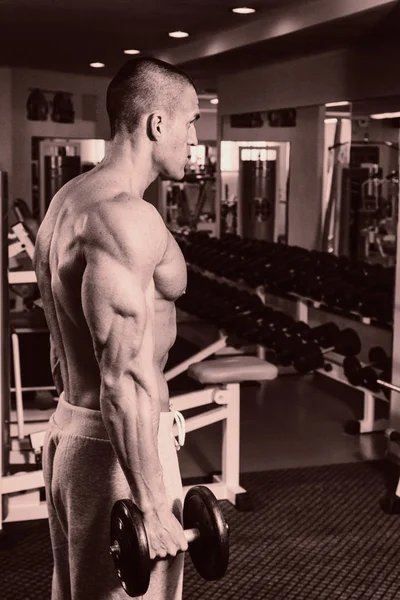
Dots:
pixel 108 271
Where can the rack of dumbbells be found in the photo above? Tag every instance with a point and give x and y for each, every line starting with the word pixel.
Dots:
pixel 230 281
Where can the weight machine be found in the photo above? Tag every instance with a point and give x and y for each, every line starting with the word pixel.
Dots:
pixel 379 209
pixel 361 215
pixel 19 491
pixel 188 203
pixel 20 434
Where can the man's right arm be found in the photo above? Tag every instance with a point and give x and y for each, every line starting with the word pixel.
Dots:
pixel 118 307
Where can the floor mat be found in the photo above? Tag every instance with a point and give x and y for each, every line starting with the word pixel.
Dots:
pixel 316 533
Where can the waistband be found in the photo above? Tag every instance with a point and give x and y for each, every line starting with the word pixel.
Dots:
pixel 89 423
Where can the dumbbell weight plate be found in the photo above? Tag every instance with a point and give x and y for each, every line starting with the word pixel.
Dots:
pixel 348 343
pixel 273 325
pixel 378 357
pixel 310 359
pixel 352 370
pixel 300 328
pixel 132 562
pixel 286 352
pixel 210 552
pixel 369 379
pixel 325 334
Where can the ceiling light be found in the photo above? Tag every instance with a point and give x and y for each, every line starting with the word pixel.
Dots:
pixel 244 10
pixel 214 100
pixel 132 51
pixel 388 115
pixel 178 34
pixel 97 65
pixel 341 103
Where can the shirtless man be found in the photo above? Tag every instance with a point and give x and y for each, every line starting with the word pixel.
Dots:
pixel 109 272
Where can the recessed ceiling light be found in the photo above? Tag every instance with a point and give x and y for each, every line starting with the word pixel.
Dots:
pixel 97 65
pixel 132 51
pixel 178 34
pixel 244 10
pixel 387 115
pixel 341 103
pixel 214 100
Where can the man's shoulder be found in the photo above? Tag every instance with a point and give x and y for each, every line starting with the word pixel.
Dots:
pixel 127 223
pixel 123 209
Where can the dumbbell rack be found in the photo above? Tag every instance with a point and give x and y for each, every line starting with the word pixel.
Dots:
pixel 368 423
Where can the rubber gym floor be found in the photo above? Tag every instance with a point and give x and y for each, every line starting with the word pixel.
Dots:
pixel 317 530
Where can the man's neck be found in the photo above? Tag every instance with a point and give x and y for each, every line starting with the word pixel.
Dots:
pixel 133 164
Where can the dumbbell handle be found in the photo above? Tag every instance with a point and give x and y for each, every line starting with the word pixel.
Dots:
pixel 327 350
pixel 190 534
pixel 395 388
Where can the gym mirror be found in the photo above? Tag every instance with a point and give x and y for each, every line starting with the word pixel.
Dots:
pixel 361 182
pixel 270 175
pixel 57 160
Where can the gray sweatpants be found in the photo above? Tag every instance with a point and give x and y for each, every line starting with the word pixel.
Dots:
pixel 83 479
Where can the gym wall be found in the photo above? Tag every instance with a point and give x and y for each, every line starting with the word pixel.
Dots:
pixel 305 81
pixel 365 71
pixel 15 146
pixel 206 127
pixel 17 130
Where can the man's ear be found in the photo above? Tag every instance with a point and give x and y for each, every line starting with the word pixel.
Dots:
pixel 155 125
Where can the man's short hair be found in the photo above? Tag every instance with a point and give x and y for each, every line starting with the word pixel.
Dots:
pixel 140 86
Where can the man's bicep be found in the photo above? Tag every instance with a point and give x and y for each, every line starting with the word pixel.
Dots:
pixel 114 306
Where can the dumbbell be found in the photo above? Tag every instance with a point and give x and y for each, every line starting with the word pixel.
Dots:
pixel 218 302
pixel 311 358
pixel 245 315
pixel 206 532
pixel 244 331
pixel 358 375
pixel 378 382
pixel 275 322
pixel 226 314
pixel 324 335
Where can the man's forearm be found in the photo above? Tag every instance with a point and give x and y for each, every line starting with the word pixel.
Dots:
pixel 131 418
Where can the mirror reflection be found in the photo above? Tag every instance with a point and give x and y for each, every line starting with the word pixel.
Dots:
pixel 254 183
pixel 361 181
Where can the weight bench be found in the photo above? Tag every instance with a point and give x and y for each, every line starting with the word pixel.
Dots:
pixel 222 378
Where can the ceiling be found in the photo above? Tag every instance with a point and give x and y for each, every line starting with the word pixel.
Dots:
pixel 66 35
